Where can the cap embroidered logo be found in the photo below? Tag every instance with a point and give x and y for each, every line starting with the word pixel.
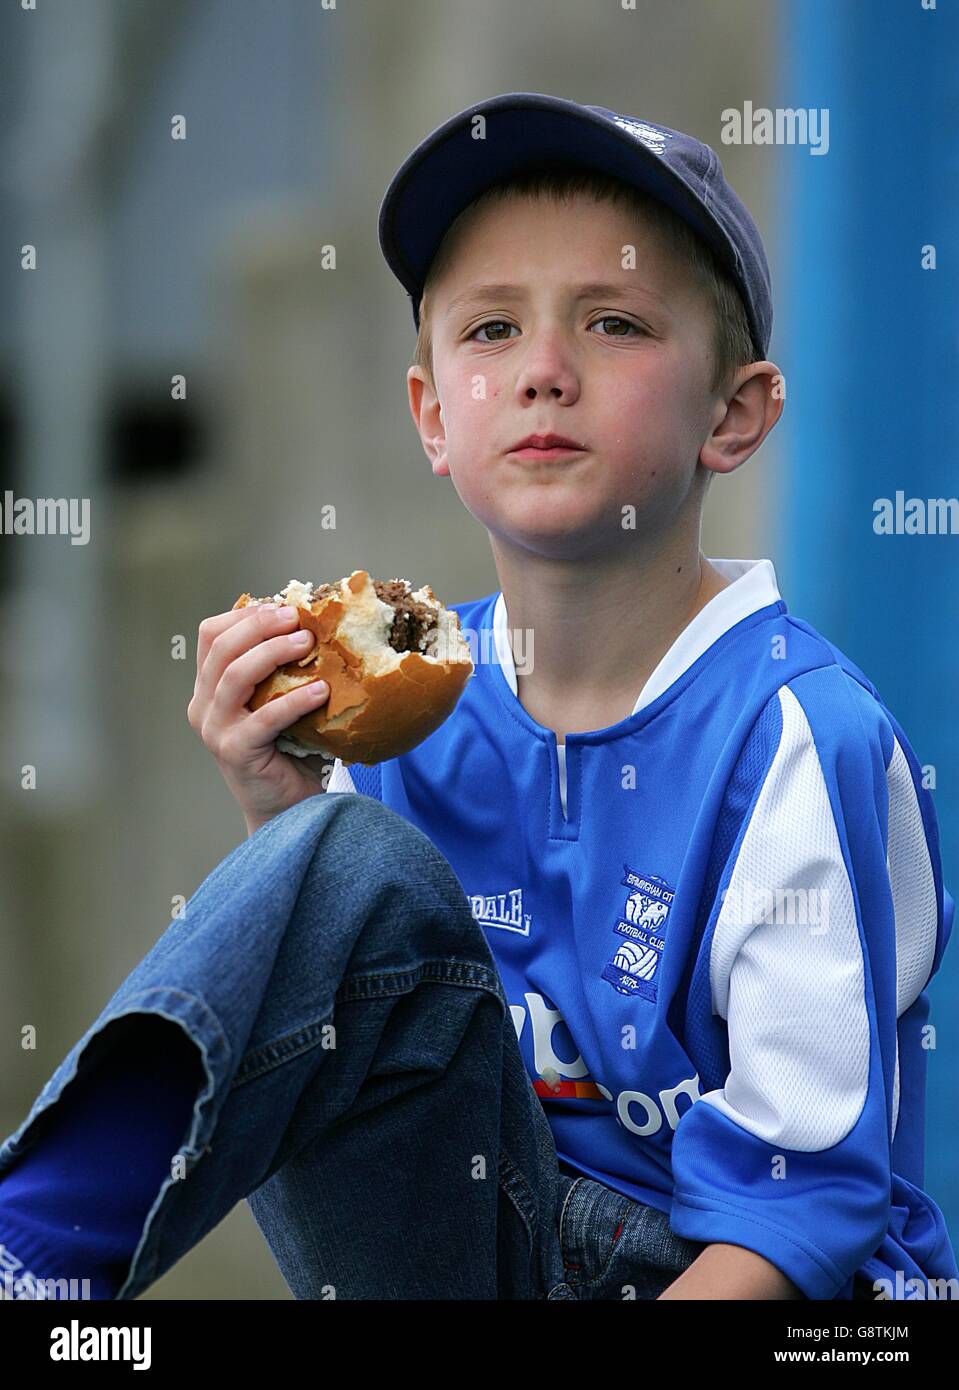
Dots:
pixel 654 140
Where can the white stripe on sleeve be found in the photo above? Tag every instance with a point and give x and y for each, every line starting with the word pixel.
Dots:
pixel 786 967
pixel 913 894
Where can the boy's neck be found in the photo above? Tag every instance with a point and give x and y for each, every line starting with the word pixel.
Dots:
pixel 598 630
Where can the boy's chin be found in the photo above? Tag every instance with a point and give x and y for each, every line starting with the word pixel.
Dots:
pixel 558 538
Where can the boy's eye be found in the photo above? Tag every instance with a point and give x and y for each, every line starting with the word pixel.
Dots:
pixel 492 323
pixel 612 318
pixel 501 323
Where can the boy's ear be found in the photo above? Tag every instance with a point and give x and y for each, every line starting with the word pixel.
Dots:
pixel 744 415
pixel 428 418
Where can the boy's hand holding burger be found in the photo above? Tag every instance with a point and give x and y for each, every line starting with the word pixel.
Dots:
pixel 235 652
pixel 361 670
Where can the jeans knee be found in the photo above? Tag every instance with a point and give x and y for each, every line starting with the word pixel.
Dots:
pixel 387 848
pixel 376 889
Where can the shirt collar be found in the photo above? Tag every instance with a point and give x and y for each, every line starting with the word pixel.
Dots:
pixel 752 586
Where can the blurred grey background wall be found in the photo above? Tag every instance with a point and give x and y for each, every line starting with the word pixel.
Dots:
pixel 203 257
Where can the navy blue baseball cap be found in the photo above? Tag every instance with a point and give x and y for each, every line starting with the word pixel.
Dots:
pixel 530 130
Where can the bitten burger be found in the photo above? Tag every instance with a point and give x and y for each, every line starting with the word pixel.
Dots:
pixel 395 662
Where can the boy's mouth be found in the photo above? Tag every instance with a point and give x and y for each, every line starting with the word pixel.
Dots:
pixel 546 446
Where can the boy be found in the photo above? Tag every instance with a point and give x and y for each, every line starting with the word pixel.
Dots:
pixel 714 907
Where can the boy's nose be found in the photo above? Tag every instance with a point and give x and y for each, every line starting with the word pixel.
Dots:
pixel 548 375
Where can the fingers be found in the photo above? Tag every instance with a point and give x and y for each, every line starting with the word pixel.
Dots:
pixel 213 627
pixel 245 654
pixel 244 673
pixel 259 730
pixel 221 640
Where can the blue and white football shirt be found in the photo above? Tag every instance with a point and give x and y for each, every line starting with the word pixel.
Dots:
pixel 714 922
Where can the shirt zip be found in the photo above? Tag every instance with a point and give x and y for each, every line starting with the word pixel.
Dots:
pixel 559 783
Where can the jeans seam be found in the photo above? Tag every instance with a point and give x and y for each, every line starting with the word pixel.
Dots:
pixel 562 1218
pixel 446 971
pixel 259 1063
pixel 511 1179
pixel 370 986
pixel 626 1212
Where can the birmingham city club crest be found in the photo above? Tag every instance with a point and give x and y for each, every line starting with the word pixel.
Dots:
pixel 641 935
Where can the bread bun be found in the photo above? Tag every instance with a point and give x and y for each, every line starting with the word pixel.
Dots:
pixel 395 662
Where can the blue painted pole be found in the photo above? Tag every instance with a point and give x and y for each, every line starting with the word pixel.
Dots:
pixel 868 340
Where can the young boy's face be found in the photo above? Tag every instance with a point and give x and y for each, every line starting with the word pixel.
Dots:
pixel 624 372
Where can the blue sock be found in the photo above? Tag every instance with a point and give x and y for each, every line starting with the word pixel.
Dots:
pixel 74 1205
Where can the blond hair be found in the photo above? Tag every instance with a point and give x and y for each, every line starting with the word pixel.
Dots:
pixel 732 339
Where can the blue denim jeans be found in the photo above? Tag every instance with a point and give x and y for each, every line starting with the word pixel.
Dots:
pixel 364 1090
